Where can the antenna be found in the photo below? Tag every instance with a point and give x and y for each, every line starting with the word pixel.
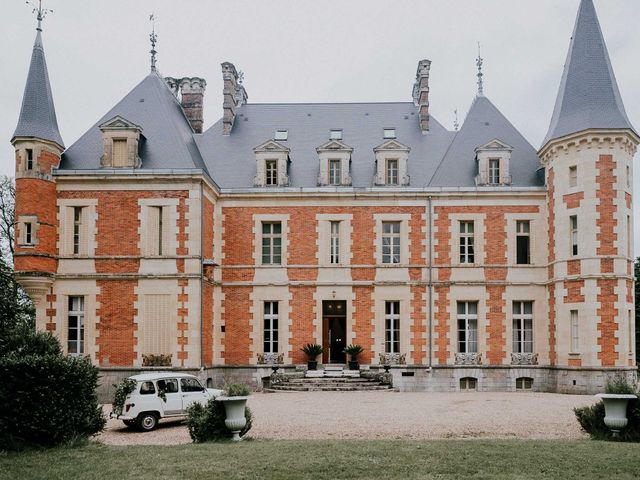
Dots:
pixel 41 12
pixel 153 38
pixel 456 125
pixel 479 62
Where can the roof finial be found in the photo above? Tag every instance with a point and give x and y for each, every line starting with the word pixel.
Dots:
pixel 456 125
pixel 479 62
pixel 154 38
pixel 40 12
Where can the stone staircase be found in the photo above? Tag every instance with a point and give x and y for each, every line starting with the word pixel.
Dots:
pixel 330 379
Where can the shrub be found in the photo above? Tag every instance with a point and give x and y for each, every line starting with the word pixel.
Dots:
pixel 157 360
pixel 206 422
pixel 237 390
pixel 122 391
pixel 47 400
pixel 354 351
pixel 312 350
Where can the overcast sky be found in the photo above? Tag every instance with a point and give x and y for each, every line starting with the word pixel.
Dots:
pixel 312 51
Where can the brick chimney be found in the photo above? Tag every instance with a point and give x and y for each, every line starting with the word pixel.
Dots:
pixel 192 95
pixel 421 94
pixel 234 95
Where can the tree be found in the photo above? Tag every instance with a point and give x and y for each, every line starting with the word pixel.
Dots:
pixel 7 218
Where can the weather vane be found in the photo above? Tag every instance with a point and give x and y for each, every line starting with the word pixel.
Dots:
pixel 479 62
pixel 41 12
pixel 154 38
pixel 456 125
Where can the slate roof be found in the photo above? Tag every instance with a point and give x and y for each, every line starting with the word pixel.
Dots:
pixel 38 114
pixel 168 138
pixel 588 96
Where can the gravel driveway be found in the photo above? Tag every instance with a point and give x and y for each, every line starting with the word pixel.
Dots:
pixel 388 415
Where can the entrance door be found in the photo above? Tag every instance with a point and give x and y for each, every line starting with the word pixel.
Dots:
pixel 334 331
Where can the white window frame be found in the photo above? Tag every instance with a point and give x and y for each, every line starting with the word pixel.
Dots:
pixel 391 246
pixel 270 239
pixel 494 171
pixel 270 326
pixel 470 326
pixel 467 241
pixel 335 171
pixel 29 159
pixel 271 172
pixel 334 247
pixel 392 326
pixel 391 171
pixel 78 314
pixel 575 330
pixel 78 214
pixel 523 229
pixel 28 233
pixel 522 326
pixel 573 235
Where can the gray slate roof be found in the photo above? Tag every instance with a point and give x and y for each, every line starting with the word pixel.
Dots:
pixel 168 138
pixel 588 95
pixel 484 123
pixel 38 114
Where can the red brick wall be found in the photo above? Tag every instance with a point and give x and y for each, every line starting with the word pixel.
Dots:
pixel 302 315
pixel 364 321
pixel 607 325
pixel 236 341
pixel 116 327
pixel 418 328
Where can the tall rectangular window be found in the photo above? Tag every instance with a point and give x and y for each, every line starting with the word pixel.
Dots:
pixel 75 332
pixel 523 327
pixel 335 173
pixel 271 172
pixel 271 243
pixel 628 176
pixel 631 331
pixel 494 171
pixel 30 159
pixel 28 233
pixel 77 226
pixel 392 327
pixel 390 242
pixel 523 242
pixel 120 154
pixel 155 230
pixel 629 237
pixel 573 226
pixel 575 339
pixel 391 171
pixel 573 176
pixel 270 327
pixel 335 243
pixel 466 242
pixel 467 327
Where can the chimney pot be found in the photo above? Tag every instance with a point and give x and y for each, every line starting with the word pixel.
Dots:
pixel 192 97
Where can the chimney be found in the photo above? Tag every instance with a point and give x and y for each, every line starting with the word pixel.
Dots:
pixel 192 95
pixel 421 94
pixel 234 95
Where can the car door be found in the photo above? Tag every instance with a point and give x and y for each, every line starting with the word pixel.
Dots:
pixel 170 397
pixel 192 392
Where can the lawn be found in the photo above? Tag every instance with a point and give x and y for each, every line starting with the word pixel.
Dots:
pixel 272 459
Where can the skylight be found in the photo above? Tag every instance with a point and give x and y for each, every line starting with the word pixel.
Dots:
pixel 389 133
pixel 335 135
pixel 281 135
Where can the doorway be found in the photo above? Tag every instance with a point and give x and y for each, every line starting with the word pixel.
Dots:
pixel 334 331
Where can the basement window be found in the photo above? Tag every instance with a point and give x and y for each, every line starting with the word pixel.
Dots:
pixel 524 383
pixel 281 135
pixel 468 383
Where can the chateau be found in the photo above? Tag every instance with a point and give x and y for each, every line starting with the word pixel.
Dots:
pixel 466 259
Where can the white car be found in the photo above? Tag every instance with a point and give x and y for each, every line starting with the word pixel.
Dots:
pixel 162 395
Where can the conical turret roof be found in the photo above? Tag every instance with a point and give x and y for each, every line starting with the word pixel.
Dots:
pixel 38 114
pixel 588 95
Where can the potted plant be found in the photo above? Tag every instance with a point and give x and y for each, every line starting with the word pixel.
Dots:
pixel 353 351
pixel 235 402
pixel 312 350
pixel 615 410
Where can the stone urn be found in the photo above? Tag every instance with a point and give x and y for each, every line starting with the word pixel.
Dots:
pixel 615 409
pixel 234 408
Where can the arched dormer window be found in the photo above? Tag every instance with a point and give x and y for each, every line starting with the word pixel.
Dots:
pixel 391 164
pixel 493 163
pixel 272 165
pixel 120 139
pixel 335 163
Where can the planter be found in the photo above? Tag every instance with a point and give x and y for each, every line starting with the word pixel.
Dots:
pixel 234 407
pixel 354 365
pixel 615 408
pixel 312 365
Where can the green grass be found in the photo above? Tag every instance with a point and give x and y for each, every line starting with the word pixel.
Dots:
pixel 446 459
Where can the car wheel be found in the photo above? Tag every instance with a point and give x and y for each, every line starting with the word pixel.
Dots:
pixel 147 421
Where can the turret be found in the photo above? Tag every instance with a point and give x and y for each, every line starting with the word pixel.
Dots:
pixel 587 155
pixel 38 147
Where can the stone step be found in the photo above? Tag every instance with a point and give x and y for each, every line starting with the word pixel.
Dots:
pixel 326 388
pixel 331 379
pixel 328 385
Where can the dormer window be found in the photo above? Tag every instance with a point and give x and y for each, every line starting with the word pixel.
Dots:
pixel 389 133
pixel 272 165
pixel 493 163
pixel 335 135
pixel 335 160
pixel 391 164
pixel 335 175
pixel 281 135
pixel 271 172
pixel 391 171
pixel 120 140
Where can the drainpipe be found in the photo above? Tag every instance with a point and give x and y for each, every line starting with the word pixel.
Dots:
pixel 430 233
pixel 202 223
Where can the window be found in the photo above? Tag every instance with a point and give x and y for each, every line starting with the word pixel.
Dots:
pixel 28 233
pixel 573 225
pixel 391 172
pixel 494 171
pixel 575 339
pixel 392 327
pixel 155 231
pixel 466 242
pixel 524 383
pixel 629 238
pixel 30 159
pixel 390 242
pixel 168 386
pixel 77 223
pixel 271 243
pixel 335 135
pixel 281 135
pixel 335 243
pixel 335 174
pixel 523 241
pixel 75 333
pixel 628 176
pixel 573 176
pixel 631 331
pixel 120 154
pixel 468 383
pixel 389 133
pixel 523 327
pixel 270 327
pixel 190 385
pixel 271 172
pixel 468 327
pixel 147 388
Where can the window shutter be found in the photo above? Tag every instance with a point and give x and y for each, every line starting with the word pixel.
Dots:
pixel 153 226
pixel 156 328
pixel 120 154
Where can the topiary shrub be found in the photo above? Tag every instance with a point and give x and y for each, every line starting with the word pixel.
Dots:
pixel 47 400
pixel 206 422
